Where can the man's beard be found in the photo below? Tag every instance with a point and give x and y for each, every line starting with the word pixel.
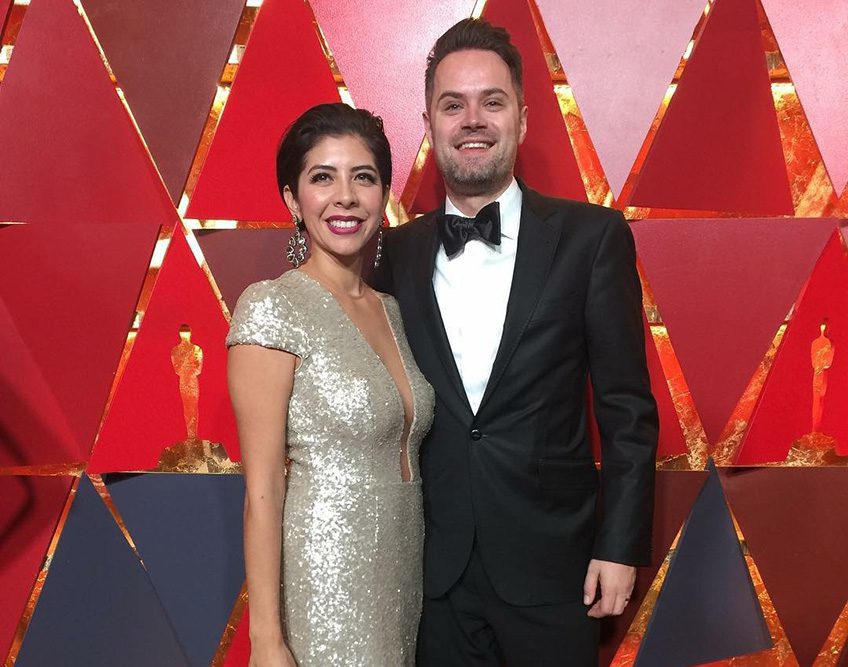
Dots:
pixel 475 178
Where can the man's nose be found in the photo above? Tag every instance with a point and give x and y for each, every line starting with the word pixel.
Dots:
pixel 473 117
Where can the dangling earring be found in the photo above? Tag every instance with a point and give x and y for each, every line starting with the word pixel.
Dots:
pixel 296 249
pixel 379 255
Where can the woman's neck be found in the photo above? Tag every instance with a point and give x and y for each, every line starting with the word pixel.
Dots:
pixel 343 278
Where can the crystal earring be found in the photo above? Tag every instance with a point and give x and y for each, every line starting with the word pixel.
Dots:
pixel 296 249
pixel 379 254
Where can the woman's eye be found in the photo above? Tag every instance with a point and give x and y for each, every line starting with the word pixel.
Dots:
pixel 319 177
pixel 365 176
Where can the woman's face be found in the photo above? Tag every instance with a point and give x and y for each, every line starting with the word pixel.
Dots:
pixel 340 196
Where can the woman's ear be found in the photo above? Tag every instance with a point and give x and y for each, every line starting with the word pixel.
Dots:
pixel 291 202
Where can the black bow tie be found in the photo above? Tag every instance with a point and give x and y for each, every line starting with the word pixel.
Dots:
pixel 456 230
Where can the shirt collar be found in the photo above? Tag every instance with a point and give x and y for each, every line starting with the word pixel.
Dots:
pixel 510 209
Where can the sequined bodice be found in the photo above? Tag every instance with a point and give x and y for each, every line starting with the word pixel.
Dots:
pixel 352 528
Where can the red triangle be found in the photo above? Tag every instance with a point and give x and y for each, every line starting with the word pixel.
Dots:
pixel 71 291
pixel 396 92
pixel 718 146
pixel 4 11
pixel 33 427
pixel 146 413
pixel 70 151
pixel 794 525
pixel 167 57
pixel 238 654
pixel 282 74
pixel 784 410
pixel 28 515
pixel 672 442
pixel 723 287
pixel 546 159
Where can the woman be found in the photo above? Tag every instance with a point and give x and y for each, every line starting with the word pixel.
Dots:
pixel 321 374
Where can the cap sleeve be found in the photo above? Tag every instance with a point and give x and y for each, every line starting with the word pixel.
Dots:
pixel 265 316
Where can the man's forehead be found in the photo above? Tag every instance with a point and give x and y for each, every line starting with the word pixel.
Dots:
pixel 473 68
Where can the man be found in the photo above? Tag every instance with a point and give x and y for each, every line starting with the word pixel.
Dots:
pixel 506 316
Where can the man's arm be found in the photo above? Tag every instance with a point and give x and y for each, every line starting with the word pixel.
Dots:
pixel 627 418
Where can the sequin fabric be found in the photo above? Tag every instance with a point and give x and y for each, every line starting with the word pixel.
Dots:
pixel 353 531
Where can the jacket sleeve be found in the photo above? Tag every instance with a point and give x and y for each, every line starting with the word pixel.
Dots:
pixel 624 406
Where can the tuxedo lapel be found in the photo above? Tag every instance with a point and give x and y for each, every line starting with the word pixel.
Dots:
pixel 446 378
pixel 537 241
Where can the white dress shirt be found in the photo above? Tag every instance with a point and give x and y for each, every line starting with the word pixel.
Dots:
pixel 472 290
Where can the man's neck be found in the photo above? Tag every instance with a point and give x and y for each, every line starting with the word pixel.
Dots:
pixel 470 205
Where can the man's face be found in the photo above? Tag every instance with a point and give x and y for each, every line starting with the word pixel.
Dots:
pixel 475 122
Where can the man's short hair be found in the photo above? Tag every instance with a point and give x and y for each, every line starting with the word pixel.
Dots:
pixel 476 34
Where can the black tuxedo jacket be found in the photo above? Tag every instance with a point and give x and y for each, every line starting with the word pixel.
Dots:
pixel 519 475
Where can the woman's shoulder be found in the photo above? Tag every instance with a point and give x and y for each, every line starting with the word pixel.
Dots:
pixel 287 291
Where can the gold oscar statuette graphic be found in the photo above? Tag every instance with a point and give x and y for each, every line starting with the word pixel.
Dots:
pixel 817 448
pixel 192 454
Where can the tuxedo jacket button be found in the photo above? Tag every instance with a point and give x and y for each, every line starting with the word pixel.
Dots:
pixel 475 434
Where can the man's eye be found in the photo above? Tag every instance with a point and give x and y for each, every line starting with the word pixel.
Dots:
pixel 453 106
pixel 494 103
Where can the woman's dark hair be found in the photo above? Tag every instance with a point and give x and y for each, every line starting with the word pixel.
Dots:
pixel 331 120
pixel 474 34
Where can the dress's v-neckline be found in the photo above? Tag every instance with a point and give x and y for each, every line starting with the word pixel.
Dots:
pixel 346 317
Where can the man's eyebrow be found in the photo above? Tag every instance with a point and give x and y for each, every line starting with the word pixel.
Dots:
pixel 450 93
pixel 494 91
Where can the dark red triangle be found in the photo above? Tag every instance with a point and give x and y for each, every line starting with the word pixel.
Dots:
pixel 5 5
pixel 794 525
pixel 146 413
pixel 546 159
pixel 784 410
pixel 28 515
pixel 167 57
pixel 70 151
pixel 723 287
pixel 282 74
pixel 718 146
pixel 71 291
pixel 239 257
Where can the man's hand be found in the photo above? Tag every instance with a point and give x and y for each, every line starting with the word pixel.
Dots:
pixel 616 581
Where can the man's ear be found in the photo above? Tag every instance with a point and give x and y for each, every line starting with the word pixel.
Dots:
pixel 427 129
pixel 522 124
pixel 291 202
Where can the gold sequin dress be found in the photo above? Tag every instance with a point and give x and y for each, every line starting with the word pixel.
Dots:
pixel 353 531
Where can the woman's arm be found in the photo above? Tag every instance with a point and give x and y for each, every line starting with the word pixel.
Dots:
pixel 260 382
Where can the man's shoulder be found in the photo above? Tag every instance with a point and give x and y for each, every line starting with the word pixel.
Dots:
pixel 571 211
pixel 413 229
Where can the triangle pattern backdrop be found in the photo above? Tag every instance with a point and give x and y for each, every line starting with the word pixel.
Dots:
pixel 810 506
pixel 28 515
pixel 71 292
pixel 170 89
pixel 545 159
pixel 784 412
pixel 815 53
pixel 385 72
pixel 620 56
pixel 707 608
pixel 283 72
pixel 70 131
pixel 718 146
pixel 94 566
pixel 147 411
pixel 712 276
pixel 188 532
